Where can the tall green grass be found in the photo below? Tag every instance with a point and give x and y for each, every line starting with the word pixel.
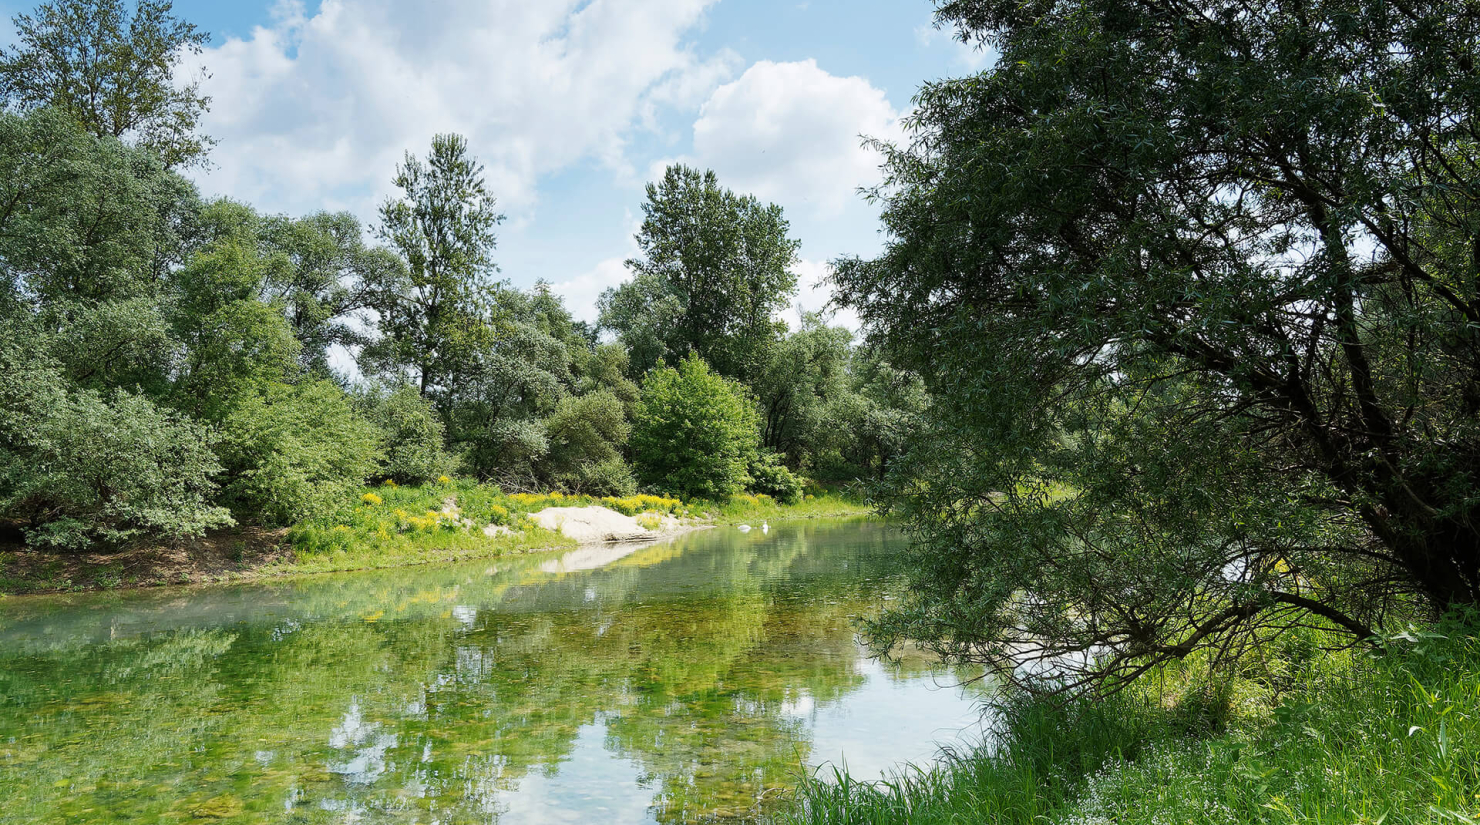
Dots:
pixel 745 508
pixel 1349 739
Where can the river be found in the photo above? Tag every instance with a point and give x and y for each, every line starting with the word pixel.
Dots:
pixel 688 681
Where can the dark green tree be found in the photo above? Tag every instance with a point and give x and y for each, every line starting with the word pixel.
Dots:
pixel 111 71
pixel 804 373
pixel 432 321
pixel 323 276
pixel 1195 287
pixel 714 270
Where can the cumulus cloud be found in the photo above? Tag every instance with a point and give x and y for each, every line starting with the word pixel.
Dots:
pixel 314 110
pixel 580 292
pixel 792 133
pixel 814 295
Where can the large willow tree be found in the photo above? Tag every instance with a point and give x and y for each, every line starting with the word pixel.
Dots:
pixel 1198 288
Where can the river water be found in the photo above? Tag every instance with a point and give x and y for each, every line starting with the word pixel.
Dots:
pixel 688 681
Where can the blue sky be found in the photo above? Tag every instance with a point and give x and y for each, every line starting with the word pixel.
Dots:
pixel 572 105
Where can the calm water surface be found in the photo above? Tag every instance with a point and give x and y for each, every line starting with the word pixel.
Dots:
pixel 689 681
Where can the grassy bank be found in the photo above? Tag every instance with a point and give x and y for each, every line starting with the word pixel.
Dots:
pixel 1350 739
pixel 385 526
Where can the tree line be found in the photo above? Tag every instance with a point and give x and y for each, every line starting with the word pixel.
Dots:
pixel 171 363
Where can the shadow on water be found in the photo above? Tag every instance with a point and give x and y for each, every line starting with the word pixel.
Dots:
pixel 679 682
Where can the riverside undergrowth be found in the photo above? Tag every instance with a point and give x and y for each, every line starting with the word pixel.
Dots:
pixel 391 525
pixel 1358 738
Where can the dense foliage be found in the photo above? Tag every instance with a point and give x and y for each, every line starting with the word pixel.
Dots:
pixel 715 269
pixel 696 431
pixel 1194 285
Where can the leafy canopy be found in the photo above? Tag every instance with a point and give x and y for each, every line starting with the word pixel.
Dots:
pixel 714 270
pixel 111 71
pixel 442 226
pixel 1194 284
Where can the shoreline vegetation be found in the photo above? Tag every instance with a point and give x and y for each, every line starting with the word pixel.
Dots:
pixel 389 526
pixel 1368 735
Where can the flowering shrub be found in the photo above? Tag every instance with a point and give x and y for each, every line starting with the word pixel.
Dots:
pixel 372 499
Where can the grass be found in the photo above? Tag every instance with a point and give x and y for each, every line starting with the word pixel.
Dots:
pixel 743 508
pixel 1354 739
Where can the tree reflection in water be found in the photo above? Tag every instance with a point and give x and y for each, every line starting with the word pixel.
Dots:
pixel 680 682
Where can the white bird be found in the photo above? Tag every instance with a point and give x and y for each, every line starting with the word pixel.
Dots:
pixel 765 528
pixel 744 528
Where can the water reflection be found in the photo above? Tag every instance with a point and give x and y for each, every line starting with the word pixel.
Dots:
pixel 680 682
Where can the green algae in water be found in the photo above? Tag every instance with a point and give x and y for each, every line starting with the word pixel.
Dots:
pixel 690 681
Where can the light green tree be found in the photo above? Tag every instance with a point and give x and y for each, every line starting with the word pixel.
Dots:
pixel 695 433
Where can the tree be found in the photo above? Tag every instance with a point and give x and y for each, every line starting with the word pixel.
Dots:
pixel 112 72
pixel 586 435
pixel 296 453
pixel 323 276
pixel 696 432
pixel 79 467
pixel 715 268
pixel 1193 284
pixel 412 438
pixel 514 378
pixel 433 318
pixel 82 218
pixel 806 371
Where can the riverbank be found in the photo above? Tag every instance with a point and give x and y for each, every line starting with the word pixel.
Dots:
pixel 387 526
pixel 1302 737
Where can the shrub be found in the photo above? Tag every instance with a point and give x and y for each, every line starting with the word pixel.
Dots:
pixel 609 478
pixel 91 470
pixel 770 477
pixel 411 436
pixel 296 452
pixel 583 434
pixel 80 467
pixel 696 432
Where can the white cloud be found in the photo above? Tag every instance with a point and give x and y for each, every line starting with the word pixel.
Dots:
pixel 793 134
pixel 314 111
pixel 580 292
pixel 813 295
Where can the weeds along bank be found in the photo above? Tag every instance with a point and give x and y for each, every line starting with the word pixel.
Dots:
pixel 1391 736
pixel 391 525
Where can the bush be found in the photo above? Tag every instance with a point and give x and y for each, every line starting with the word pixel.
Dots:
pixel 585 435
pixel 79 468
pixel 768 476
pixel 411 436
pixel 609 478
pixel 107 471
pixel 296 452
pixel 696 432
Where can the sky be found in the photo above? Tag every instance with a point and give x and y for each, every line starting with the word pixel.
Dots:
pixel 572 106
